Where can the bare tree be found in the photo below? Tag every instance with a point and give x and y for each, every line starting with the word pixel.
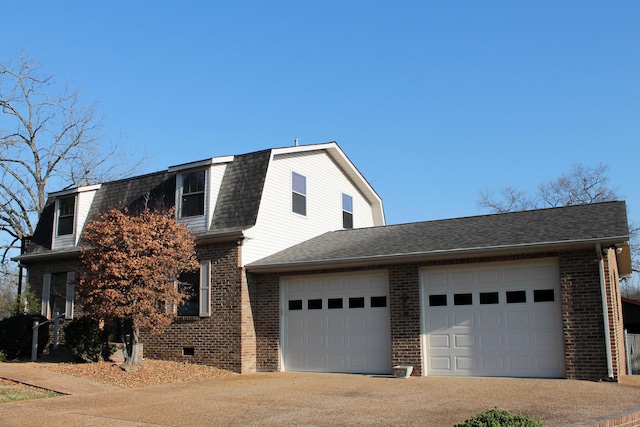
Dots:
pixel 582 185
pixel 48 139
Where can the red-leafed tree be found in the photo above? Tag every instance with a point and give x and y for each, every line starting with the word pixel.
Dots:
pixel 131 263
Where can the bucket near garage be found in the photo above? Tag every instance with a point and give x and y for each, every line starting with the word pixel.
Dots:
pixel 402 371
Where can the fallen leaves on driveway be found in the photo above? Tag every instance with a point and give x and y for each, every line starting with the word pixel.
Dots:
pixel 152 372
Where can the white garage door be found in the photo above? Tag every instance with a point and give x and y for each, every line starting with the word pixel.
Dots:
pixel 493 320
pixel 336 324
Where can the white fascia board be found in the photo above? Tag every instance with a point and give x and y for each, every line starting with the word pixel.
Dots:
pixel 341 159
pixel 201 163
pixel 75 190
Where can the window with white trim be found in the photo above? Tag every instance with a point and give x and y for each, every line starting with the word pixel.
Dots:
pixel 193 185
pixel 66 215
pixel 196 285
pixel 58 294
pixel 347 211
pixel 298 194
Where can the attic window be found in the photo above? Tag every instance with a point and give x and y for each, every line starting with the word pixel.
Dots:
pixel 347 211
pixel 66 211
pixel 193 193
pixel 299 194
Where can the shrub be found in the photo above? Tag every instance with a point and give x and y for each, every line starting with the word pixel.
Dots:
pixel 87 341
pixel 16 333
pixel 498 418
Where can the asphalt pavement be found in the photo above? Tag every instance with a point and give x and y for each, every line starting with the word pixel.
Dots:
pixel 301 399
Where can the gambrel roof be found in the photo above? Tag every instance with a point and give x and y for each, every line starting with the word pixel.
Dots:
pixel 236 208
pixel 541 229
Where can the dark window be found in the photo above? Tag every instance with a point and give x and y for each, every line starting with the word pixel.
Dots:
pixel 347 211
pixel 188 351
pixel 299 194
pixel 462 299
pixel 193 193
pixel 189 285
pixel 543 295
pixel 295 304
pixel 357 302
pixel 515 297
pixel 314 304
pixel 334 303
pixel 437 300
pixel 378 301
pixel 489 298
pixel 66 212
pixel 58 293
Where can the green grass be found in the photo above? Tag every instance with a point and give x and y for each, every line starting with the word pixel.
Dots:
pixel 14 393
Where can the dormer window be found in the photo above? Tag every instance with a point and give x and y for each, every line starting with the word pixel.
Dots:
pixel 193 193
pixel 299 194
pixel 347 211
pixel 66 213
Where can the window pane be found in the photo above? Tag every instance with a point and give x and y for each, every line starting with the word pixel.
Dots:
pixel 299 183
pixel 189 285
pixel 65 225
pixel 347 220
pixel 299 204
pixel 193 182
pixel 193 205
pixel 462 299
pixel 489 298
pixel 357 302
pixel 515 297
pixel 58 293
pixel 295 304
pixel 347 203
pixel 193 193
pixel 437 300
pixel 378 301
pixel 543 295
pixel 66 211
pixel 334 303
pixel 314 304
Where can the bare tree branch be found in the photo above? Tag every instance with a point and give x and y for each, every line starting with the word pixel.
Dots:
pixel 49 140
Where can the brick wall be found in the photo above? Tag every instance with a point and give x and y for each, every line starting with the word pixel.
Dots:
pixel 215 340
pixel 264 291
pixel 583 324
pixel 404 296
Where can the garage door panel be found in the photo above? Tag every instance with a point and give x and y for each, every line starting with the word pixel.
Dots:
pixel 511 325
pixel 464 340
pixel 346 328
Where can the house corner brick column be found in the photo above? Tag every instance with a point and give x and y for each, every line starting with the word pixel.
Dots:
pixel 247 329
pixel 582 319
pixel 614 309
pixel 264 292
pixel 404 291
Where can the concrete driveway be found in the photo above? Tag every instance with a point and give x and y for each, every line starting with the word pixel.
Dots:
pixel 327 399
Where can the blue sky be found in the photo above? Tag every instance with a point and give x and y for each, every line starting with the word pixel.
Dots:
pixel 431 100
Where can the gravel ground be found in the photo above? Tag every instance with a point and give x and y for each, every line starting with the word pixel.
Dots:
pixel 152 372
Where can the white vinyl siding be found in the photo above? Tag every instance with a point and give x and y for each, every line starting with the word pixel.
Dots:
pixel 277 227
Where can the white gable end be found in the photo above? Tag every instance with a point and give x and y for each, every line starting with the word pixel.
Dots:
pixel 278 227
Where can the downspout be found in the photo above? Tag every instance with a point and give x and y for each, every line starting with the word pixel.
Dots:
pixel 605 311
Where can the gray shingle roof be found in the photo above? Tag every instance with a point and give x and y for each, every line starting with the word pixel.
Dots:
pixel 601 222
pixel 236 208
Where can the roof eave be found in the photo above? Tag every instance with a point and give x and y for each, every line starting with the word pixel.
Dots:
pixel 427 256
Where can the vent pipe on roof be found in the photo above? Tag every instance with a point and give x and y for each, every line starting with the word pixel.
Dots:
pixel 295 141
